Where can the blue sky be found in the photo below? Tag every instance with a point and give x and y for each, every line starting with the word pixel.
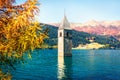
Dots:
pixel 78 10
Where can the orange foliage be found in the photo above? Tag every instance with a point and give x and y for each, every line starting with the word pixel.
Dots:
pixel 19 32
pixel 4 76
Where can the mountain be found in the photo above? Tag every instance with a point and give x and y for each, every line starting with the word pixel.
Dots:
pixel 110 28
pixel 80 37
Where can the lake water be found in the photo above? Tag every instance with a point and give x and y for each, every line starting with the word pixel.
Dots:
pixel 83 65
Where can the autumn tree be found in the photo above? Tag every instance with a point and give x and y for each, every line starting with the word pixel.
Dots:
pixel 19 32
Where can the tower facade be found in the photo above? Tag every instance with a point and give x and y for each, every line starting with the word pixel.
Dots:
pixel 64 38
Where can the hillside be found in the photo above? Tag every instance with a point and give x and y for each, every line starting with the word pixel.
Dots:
pixel 111 28
pixel 79 37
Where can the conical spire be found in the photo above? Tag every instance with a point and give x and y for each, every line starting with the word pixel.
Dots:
pixel 65 24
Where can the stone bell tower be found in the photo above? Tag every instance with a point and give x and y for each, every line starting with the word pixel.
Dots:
pixel 64 38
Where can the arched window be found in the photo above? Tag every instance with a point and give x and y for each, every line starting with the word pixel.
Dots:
pixel 67 34
pixel 60 34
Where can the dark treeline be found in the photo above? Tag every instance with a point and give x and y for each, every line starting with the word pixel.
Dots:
pixel 81 38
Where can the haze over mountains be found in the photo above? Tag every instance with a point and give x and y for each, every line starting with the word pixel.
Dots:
pixel 110 28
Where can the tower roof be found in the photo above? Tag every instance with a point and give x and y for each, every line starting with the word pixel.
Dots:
pixel 65 24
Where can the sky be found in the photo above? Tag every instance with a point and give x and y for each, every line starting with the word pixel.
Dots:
pixel 78 11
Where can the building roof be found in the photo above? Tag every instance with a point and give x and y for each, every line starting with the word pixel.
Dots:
pixel 64 24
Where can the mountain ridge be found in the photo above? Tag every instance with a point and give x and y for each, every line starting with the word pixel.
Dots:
pixel 111 28
pixel 81 38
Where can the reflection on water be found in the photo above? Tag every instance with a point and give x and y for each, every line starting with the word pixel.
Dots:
pixel 64 67
pixel 91 57
pixel 61 67
pixel 83 65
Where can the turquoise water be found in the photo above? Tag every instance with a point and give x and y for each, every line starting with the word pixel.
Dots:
pixel 83 65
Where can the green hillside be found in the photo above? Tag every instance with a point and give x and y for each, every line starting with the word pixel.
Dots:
pixel 81 38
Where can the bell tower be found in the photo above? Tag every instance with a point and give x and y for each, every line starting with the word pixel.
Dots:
pixel 64 38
